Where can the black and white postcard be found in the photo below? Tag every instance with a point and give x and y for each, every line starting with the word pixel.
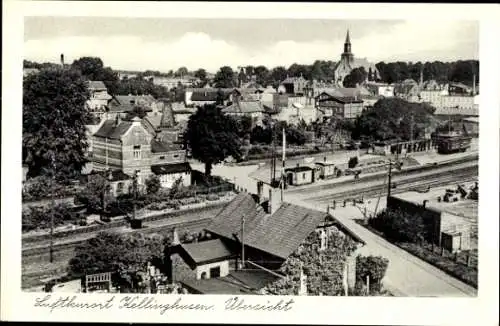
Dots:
pixel 237 162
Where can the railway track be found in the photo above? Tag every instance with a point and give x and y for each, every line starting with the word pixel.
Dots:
pixel 447 167
pixel 416 183
pixel 70 245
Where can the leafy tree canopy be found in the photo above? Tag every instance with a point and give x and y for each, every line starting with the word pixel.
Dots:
pixel 212 136
pixel 54 115
pixel 391 118
pixel 92 68
pixel 122 255
pixel 224 78
pixel 356 77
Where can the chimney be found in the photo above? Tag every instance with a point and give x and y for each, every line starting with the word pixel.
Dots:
pixel 274 200
pixel 474 84
pixel 175 237
pixel 62 59
pixel 118 119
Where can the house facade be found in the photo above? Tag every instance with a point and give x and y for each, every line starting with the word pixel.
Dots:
pixel 136 147
pixel 341 107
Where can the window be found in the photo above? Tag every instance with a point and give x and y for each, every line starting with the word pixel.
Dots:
pixel 162 157
pixel 215 272
pixel 119 187
pixel 176 155
pixel 137 151
pixel 303 175
pixel 204 275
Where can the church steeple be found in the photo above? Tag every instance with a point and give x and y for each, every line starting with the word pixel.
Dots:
pixel 347 44
pixel 347 56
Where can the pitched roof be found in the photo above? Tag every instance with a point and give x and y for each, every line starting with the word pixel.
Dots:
pixel 127 103
pixel 237 282
pixel 109 129
pixel 279 234
pixel 162 146
pixel 171 168
pixel 96 85
pixel 299 169
pixel 244 107
pixel 339 96
pixel 206 251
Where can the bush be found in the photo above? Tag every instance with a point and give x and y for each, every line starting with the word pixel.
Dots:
pixel 353 161
pixel 153 184
pixel 212 197
pixel 40 217
pixel 43 188
pixel 400 226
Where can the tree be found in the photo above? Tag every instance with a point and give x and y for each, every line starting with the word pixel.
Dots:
pixel 125 256
pixel 244 125
pixel 153 184
pixel 92 68
pixel 224 78
pixel 212 136
pixel 464 71
pixel 278 75
pixel 262 75
pixel 202 75
pixel 392 118
pixel 356 77
pixel 181 72
pixel 54 115
pixel 94 193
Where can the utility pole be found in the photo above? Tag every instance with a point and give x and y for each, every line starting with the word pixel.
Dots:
pixel 51 249
pixel 411 133
pixel 135 196
pixel 243 242
pixel 389 180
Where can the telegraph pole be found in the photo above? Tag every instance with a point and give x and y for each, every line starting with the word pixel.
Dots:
pixel 389 180
pixel 135 196
pixel 51 249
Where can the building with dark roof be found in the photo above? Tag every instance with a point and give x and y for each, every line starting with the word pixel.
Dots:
pixel 146 146
pixel 201 96
pixel 342 104
pixel 299 175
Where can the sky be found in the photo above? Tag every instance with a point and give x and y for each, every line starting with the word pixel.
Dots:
pixel 167 43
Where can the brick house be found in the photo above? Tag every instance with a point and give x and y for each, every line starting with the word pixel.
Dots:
pixel 142 146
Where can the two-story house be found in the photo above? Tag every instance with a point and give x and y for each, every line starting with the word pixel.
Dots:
pixel 143 147
pixel 339 105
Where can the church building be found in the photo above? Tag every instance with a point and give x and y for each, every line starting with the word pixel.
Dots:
pixel 348 62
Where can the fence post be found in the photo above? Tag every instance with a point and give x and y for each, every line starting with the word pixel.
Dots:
pixel 468 259
pixel 442 251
